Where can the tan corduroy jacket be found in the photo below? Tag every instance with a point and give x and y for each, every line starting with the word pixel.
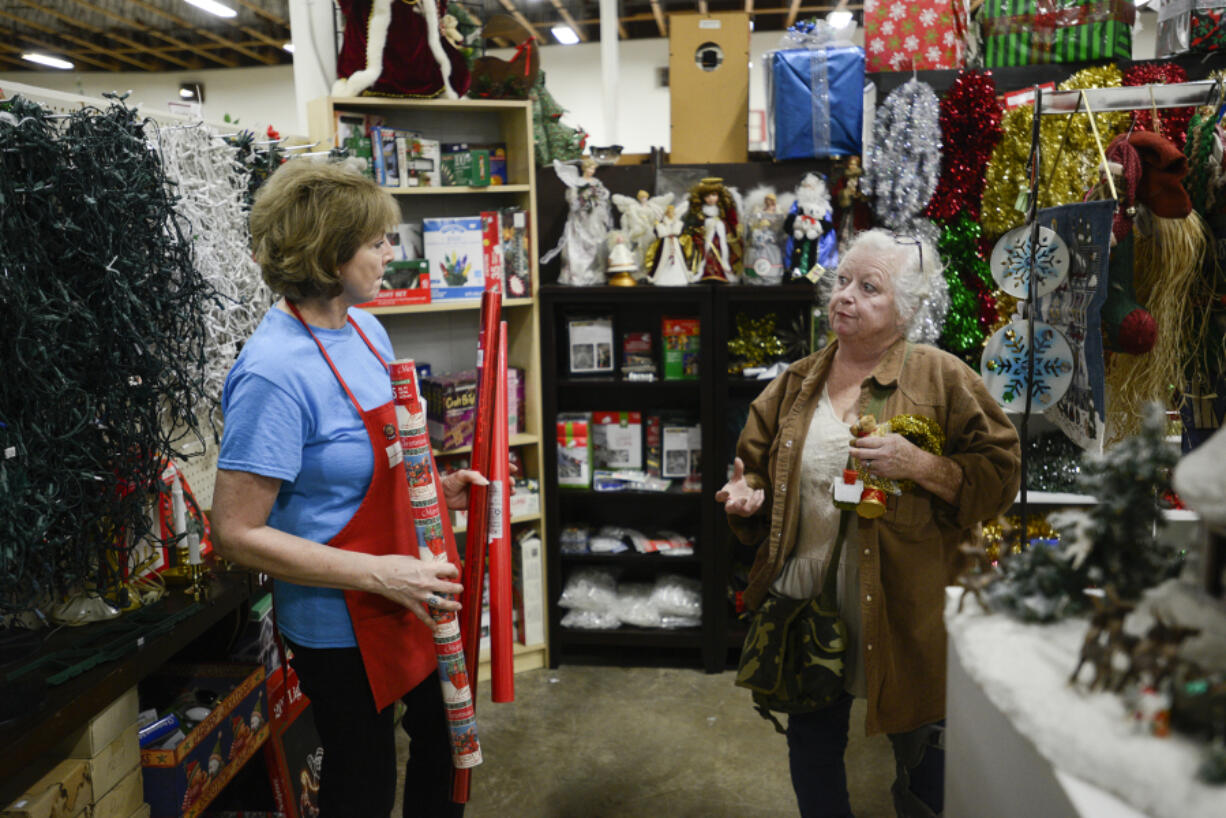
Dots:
pixel 907 556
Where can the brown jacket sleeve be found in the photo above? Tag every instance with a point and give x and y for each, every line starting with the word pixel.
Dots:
pixel 983 442
pixel 754 448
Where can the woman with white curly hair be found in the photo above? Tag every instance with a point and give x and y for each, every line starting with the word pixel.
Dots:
pixel 885 300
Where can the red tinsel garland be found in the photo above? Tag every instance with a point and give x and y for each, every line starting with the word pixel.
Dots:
pixel 1174 121
pixel 970 129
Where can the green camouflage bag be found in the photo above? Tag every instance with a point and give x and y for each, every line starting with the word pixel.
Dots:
pixel 792 659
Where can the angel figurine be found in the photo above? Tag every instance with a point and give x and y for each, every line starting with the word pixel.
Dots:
pixel 638 220
pixel 811 238
pixel 714 226
pixel 621 265
pixel 582 242
pixel 668 257
pixel 763 255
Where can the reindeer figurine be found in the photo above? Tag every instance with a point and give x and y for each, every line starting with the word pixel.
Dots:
pixel 1155 654
pixel 1104 639
pixel 976 576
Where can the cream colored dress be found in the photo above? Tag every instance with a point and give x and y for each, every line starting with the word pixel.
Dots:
pixel 821 463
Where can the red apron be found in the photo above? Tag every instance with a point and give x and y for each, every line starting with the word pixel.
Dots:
pixel 397 648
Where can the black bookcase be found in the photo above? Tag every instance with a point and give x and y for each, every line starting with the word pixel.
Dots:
pixel 718 402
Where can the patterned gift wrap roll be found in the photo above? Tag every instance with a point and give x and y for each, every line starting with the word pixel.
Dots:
pixel 1028 32
pixel 432 542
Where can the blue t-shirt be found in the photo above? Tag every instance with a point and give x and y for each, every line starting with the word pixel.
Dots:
pixel 286 416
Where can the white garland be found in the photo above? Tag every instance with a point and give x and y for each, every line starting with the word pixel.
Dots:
pixel 905 160
pixel 212 187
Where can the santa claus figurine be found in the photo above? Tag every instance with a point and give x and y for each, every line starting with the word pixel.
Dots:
pixel 398 49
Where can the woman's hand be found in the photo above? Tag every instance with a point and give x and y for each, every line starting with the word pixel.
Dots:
pixel 890 456
pixel 736 495
pixel 416 584
pixel 455 487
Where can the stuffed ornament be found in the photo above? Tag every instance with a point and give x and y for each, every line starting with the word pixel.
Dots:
pixel 812 244
pixel 398 49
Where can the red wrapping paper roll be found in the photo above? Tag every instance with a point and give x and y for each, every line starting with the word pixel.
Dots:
pixel 502 648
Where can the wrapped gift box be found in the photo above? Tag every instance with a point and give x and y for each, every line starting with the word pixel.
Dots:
pixel 920 35
pixel 815 101
pixel 1191 25
pixel 1027 32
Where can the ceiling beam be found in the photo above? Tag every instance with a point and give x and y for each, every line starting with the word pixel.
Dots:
pixel 518 16
pixel 153 32
pixel 160 50
pixel 793 11
pixel 261 12
pixel 144 66
pixel 119 38
pixel 659 16
pixel 749 7
pixel 12 35
pixel 570 21
pixel 702 6
pixel 204 32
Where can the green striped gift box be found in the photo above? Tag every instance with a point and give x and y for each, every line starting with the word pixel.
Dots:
pixel 1026 32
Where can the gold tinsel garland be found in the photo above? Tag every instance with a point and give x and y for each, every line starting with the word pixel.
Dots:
pixel 997 531
pixel 1060 182
pixel 923 432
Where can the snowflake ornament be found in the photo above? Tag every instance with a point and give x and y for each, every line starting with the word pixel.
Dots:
pixel 1004 365
pixel 1010 262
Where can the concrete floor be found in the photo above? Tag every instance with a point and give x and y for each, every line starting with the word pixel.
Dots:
pixel 601 742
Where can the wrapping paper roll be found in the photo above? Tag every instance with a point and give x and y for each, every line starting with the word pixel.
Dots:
pixel 502 642
pixel 425 492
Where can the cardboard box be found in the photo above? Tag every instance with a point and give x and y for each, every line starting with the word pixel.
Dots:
pixel 184 780
pixel 527 589
pixel 451 408
pixel 516 253
pixel 682 346
pixel 456 164
pixel 617 440
pixel 425 163
pixel 103 728
pixel 293 753
pixel 925 40
pixel 124 798
pixel 574 450
pixel 404 283
pixel 803 123
pixel 590 346
pixel 65 792
pixel 115 761
pixel 383 148
pixel 453 246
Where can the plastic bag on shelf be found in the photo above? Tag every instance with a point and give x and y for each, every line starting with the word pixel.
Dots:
pixel 591 620
pixel 590 589
pixel 678 596
pixel 680 622
pixel 627 536
pixel 679 545
pixel 604 542
pixel 573 539
pixel 635 606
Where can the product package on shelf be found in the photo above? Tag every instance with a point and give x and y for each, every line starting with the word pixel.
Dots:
pixel 352 132
pixel 574 450
pixel 617 440
pixel 425 162
pixel 465 166
pixel 293 753
pixel 682 347
pixel 497 153
pixel 674 449
pixel 404 283
pixel 451 406
pixel 454 248
pixel 516 253
pixel 406 241
pixel 590 345
pixel 815 101
pixel 383 148
pixel 922 35
pixel 638 361
pixel 1029 32
pixel 528 587
pixel 1191 25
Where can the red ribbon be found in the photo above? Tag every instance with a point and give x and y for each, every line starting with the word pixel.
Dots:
pixel 526 49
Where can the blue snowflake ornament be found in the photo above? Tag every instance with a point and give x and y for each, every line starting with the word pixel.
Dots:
pixel 1004 366
pixel 1010 262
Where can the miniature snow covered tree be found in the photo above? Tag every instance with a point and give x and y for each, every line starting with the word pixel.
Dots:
pixel 1114 543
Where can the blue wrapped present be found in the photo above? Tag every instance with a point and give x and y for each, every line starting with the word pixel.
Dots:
pixel 815 101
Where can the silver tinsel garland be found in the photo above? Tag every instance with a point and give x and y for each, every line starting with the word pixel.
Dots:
pixel 212 187
pixel 905 162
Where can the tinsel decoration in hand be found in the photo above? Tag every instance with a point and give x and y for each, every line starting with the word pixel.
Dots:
pixel 970 129
pixel 906 159
pixel 102 341
pixel 1172 122
pixel 213 186
pixel 754 344
pixel 972 305
pixel 1066 173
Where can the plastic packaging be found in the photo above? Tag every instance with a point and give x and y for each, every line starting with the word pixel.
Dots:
pixel 590 589
pixel 678 596
pixel 573 539
pixel 591 620
pixel 635 606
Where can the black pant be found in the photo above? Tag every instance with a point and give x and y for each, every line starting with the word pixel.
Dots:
pixel 359 770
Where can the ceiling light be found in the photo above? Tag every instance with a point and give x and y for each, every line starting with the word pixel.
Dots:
pixel 839 19
pixel 53 62
pixel 186 93
pixel 191 91
pixel 288 47
pixel 213 7
pixel 1140 3
pixel 565 35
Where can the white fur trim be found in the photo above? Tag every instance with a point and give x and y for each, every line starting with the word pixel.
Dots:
pixel 376 39
pixel 429 10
